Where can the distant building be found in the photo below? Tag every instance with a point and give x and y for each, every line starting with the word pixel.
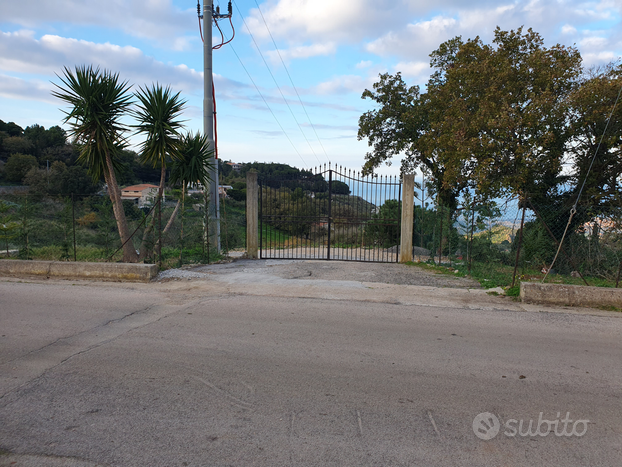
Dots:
pixel 222 190
pixel 235 166
pixel 141 195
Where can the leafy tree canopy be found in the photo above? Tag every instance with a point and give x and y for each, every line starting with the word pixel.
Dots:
pixel 494 117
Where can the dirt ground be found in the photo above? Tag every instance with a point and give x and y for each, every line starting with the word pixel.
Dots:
pixel 387 273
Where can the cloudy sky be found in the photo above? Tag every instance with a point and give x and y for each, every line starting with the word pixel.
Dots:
pixel 289 85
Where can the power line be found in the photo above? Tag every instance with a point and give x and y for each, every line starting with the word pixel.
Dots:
pixel 290 79
pixel 277 84
pixel 573 211
pixel 269 108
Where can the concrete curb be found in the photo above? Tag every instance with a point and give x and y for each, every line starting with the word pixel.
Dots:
pixel 570 295
pixel 124 272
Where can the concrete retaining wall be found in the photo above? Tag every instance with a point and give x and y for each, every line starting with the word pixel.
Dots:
pixel 570 295
pixel 74 270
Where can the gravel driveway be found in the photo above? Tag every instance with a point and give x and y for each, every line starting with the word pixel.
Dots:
pixel 387 273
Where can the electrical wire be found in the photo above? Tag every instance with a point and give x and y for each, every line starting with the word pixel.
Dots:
pixel 573 211
pixel 223 36
pixel 597 148
pixel 215 122
pixel 218 46
pixel 277 84
pixel 222 42
pixel 291 81
pixel 269 108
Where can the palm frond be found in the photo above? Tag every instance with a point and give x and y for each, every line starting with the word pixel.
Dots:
pixel 158 121
pixel 98 100
pixel 195 164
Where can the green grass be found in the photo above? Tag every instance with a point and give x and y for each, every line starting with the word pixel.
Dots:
pixel 491 275
pixel 270 236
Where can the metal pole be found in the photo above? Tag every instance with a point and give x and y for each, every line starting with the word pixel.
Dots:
pixel 330 195
pixel 160 233
pixel 208 122
pixel 73 222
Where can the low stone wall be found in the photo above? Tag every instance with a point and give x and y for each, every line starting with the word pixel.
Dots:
pixel 125 272
pixel 570 295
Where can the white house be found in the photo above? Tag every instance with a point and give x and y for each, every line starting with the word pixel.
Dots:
pixel 142 195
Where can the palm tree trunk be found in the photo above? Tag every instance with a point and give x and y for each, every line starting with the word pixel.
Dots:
pixel 151 226
pixel 160 193
pixel 169 224
pixel 129 253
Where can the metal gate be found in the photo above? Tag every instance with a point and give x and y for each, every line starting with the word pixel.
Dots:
pixel 330 213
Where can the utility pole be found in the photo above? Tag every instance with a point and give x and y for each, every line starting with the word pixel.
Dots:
pixel 208 124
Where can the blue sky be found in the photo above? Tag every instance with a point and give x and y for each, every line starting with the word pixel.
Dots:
pixel 332 50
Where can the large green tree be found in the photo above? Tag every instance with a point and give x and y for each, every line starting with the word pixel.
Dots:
pixel 499 113
pixel 18 166
pixel 98 101
pixel 596 150
pixel 495 117
pixel 398 127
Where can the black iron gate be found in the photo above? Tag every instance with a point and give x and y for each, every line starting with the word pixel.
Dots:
pixel 330 213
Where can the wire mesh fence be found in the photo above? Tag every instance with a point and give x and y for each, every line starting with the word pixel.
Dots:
pixel 84 228
pixel 504 242
pixel 501 242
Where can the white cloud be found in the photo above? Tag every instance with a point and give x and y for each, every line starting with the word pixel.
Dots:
pixel 18 88
pixel 364 64
pixel 593 42
pixel 416 39
pixel 20 52
pixel 344 85
pixel 321 20
pixel 416 70
pixel 154 19
pixel 302 51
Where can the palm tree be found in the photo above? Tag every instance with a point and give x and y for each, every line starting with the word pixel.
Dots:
pixel 99 101
pixel 191 169
pixel 157 115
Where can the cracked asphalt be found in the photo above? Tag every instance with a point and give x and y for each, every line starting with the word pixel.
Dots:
pixel 301 364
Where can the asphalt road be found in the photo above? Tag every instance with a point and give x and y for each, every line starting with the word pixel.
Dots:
pixel 239 370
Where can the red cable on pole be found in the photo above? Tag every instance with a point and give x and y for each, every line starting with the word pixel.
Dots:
pixel 222 37
pixel 215 123
pixel 233 29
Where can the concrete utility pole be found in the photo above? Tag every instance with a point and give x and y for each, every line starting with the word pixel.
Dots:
pixel 208 124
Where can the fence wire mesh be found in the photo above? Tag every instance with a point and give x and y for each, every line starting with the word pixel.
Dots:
pixel 484 240
pixel 487 241
pixel 84 228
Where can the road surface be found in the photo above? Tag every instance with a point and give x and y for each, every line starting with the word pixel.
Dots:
pixel 247 368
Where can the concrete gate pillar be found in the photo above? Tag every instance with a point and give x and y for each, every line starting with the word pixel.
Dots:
pixel 252 215
pixel 408 211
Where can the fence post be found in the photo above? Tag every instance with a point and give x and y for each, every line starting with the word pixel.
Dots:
pixel 520 241
pixel 73 223
pixel 406 236
pixel 160 233
pixel 252 214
